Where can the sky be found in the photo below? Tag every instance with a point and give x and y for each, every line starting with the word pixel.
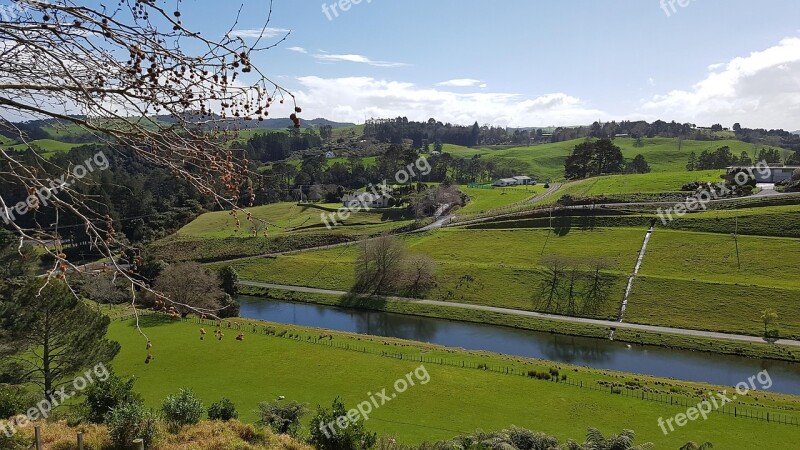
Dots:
pixel 527 62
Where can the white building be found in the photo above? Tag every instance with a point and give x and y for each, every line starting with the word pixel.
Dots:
pixel 506 182
pixel 330 155
pixel 524 181
pixel 774 175
pixel 366 200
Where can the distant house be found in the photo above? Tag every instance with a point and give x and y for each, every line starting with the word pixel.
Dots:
pixel 330 155
pixel 525 181
pixel 775 175
pixel 506 182
pixel 436 153
pixel 366 200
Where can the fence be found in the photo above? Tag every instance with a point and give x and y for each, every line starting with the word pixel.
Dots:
pixel 611 388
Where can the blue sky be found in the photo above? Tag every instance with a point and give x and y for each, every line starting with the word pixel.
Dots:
pixel 529 62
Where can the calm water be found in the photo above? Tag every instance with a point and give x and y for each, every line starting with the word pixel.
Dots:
pixel 596 353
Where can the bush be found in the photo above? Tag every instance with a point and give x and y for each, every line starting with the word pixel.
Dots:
pixel 15 400
pixel 183 408
pixel 223 410
pixel 281 418
pixel 353 437
pixel 104 396
pixel 15 442
pixel 131 421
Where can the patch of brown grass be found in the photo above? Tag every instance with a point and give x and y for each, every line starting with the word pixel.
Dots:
pixel 206 435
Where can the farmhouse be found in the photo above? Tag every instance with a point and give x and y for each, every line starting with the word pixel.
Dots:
pixel 505 182
pixel 775 175
pixel 366 200
pixel 330 155
pixel 514 181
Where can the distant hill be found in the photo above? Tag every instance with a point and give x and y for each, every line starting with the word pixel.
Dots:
pixel 796 132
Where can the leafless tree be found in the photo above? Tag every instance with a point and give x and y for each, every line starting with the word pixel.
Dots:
pixel 379 265
pixel 552 285
pixel 598 287
pixel 192 287
pixel 108 288
pixel 419 274
pixel 427 202
pixel 108 71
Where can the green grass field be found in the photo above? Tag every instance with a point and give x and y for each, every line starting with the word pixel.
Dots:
pixel 651 183
pixel 261 368
pixel 283 218
pixel 482 200
pixel 497 268
pixel 49 146
pixel 685 275
pixel 547 160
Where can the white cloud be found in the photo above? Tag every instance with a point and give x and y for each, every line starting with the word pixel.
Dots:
pixel 461 82
pixel 355 98
pixel 651 81
pixel 258 32
pixel 759 90
pixel 329 57
pixel 297 49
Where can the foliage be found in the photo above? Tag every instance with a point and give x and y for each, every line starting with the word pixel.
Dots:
pixel 47 311
pixel 15 400
pixel 353 437
pixel 183 408
pixel 229 279
pixel 191 287
pixel 593 158
pixel 282 418
pixel 223 410
pixel 104 396
pixel 131 421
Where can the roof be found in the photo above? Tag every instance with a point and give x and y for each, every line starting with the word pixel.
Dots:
pixel 523 177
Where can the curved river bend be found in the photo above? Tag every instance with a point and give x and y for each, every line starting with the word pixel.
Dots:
pixel 597 353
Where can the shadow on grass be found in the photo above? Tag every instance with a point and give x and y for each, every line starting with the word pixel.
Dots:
pixel 154 320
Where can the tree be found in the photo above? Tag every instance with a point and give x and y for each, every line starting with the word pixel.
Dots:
pixel 106 395
pixel 638 165
pixel 49 335
pixel 96 68
pixel 594 158
pixel 352 437
pixel 551 286
pixel 768 316
pixel 229 280
pixel 578 164
pixel 191 288
pixel 107 288
pixel 419 274
pixel 705 445
pixel 623 441
pixel 282 418
pixel 379 264
pixel 692 165
pixel 737 127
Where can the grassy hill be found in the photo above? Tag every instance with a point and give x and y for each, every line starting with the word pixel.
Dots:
pixel 684 276
pixel 49 146
pixel 546 161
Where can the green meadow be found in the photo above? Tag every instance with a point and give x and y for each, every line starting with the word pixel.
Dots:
pixel 262 368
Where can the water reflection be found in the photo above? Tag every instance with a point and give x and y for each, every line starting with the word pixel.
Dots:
pixel 597 353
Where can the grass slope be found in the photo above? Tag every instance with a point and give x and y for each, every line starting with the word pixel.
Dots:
pixel 547 160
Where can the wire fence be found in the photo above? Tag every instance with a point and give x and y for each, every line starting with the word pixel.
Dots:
pixel 553 376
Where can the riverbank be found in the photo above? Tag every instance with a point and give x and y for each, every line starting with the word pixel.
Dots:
pixel 314 366
pixel 673 341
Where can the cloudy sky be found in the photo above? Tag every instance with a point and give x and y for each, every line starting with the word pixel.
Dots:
pixel 530 62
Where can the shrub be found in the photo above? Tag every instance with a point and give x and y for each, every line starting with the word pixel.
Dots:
pixel 131 421
pixel 183 408
pixel 223 410
pixel 354 437
pixel 281 418
pixel 104 396
pixel 15 400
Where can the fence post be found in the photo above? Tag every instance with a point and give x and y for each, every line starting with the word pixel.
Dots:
pixel 80 440
pixel 138 444
pixel 38 437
